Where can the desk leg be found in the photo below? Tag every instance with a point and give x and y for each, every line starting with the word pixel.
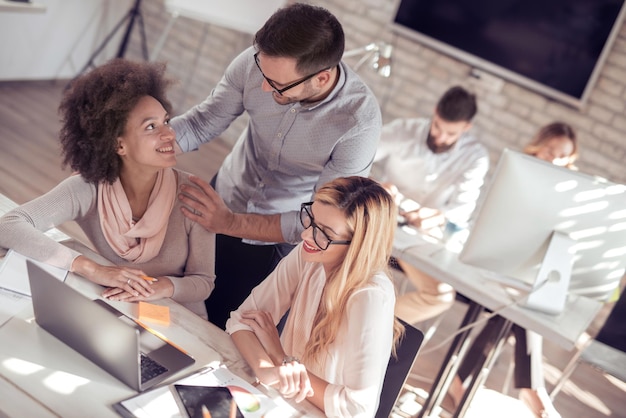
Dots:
pixel 450 363
pixel 481 369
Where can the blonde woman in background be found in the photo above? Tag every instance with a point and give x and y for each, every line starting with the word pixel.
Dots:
pixel 555 143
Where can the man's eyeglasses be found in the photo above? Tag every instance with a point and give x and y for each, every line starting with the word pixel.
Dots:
pixel 290 86
pixel 321 239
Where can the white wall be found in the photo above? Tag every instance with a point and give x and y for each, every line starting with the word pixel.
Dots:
pixel 58 42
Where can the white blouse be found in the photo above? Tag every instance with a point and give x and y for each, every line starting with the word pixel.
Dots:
pixel 356 362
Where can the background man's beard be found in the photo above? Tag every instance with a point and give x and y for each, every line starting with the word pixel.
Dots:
pixel 437 149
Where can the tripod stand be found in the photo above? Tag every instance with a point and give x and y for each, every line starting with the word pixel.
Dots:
pixel 134 14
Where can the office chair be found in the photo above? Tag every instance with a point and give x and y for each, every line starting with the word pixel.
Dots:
pixel 398 369
pixel 600 356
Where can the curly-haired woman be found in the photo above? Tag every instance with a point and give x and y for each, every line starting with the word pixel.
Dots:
pixel 116 136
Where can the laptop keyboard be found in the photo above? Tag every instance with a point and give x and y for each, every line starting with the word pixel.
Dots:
pixel 150 368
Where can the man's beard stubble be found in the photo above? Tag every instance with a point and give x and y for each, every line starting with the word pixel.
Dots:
pixel 437 149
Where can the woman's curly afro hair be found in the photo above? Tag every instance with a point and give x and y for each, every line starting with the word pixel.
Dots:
pixel 95 109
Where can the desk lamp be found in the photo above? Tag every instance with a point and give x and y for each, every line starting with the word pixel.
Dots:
pixel 377 53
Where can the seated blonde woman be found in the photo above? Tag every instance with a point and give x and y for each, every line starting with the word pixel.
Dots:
pixel 341 329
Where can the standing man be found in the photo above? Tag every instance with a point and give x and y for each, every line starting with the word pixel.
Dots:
pixel 435 168
pixel 311 119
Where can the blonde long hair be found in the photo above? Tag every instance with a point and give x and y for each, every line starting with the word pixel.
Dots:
pixel 371 217
pixel 554 130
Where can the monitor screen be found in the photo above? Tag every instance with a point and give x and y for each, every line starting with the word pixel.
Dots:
pixel 527 200
pixel 554 47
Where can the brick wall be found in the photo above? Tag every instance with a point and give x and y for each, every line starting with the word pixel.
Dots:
pixel 508 116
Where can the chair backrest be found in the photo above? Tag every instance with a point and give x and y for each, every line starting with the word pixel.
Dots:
pixel 606 358
pixel 399 368
pixel 613 331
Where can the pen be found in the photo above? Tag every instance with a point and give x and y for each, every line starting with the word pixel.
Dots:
pixel 205 412
pixel 233 409
pixel 149 279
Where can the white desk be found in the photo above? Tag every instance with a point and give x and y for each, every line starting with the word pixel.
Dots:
pixel 443 264
pixel 41 376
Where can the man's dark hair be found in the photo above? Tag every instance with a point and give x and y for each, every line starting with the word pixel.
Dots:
pixel 456 105
pixel 94 111
pixel 310 34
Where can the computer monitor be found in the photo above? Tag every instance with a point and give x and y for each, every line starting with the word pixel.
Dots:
pixel 551 228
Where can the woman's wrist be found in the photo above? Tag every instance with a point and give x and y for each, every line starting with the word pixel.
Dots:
pixel 83 266
pixel 277 357
pixel 290 359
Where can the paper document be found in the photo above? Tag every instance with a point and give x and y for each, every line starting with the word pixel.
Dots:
pixel 14 285
pixel 161 402
pixel 14 276
pixel 10 304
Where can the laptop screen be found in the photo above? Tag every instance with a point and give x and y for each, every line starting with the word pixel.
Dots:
pixel 97 332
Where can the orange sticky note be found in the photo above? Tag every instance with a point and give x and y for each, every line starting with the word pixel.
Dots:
pixel 154 313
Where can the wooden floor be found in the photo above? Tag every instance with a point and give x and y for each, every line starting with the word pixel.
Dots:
pixel 30 162
pixel 30 165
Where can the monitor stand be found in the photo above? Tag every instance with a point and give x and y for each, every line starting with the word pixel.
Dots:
pixel 550 290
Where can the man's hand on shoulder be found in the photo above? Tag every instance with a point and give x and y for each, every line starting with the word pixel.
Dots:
pixel 204 206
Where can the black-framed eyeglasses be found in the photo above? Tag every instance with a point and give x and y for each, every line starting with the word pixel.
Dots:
pixel 290 86
pixel 321 239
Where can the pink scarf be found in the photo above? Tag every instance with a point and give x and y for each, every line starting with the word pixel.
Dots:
pixel 137 242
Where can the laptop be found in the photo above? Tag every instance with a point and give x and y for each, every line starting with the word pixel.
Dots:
pixel 102 334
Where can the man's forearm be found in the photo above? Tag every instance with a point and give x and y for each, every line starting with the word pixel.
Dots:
pixel 256 227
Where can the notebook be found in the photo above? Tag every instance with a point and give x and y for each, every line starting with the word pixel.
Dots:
pixel 102 334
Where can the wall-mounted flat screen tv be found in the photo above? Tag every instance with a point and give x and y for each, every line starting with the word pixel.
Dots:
pixel 554 47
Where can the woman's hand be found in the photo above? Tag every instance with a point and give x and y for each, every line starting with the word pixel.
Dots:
pixel 426 219
pixel 265 330
pixel 127 279
pixel 290 379
pixel 162 287
pixel 392 189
